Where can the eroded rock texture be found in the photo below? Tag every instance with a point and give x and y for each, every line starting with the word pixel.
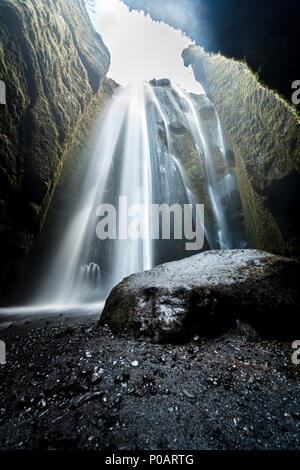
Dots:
pixel 265 133
pixel 53 63
pixel 205 294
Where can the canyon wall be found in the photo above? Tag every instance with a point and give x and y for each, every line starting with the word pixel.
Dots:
pixel 53 81
pixel 22 279
pixel 53 65
pixel 265 133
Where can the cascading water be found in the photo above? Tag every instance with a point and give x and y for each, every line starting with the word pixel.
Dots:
pixel 201 137
pixel 138 156
pixel 89 278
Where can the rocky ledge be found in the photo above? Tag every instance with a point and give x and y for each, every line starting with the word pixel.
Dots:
pixel 206 294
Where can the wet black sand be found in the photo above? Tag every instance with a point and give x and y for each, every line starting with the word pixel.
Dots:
pixel 68 385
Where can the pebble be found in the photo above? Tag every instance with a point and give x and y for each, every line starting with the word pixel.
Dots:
pixel 188 394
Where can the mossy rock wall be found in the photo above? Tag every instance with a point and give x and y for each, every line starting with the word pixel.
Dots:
pixel 23 278
pixel 53 64
pixel 265 132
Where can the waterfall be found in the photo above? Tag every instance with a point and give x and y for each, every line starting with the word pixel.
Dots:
pixel 139 156
pixel 197 127
pixel 130 256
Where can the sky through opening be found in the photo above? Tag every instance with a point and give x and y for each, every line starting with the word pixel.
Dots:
pixel 140 48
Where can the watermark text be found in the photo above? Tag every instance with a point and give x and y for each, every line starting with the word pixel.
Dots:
pixel 153 221
pixel 296 354
pixel 2 353
pixel 296 94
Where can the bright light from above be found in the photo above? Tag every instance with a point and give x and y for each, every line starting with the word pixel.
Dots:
pixel 142 49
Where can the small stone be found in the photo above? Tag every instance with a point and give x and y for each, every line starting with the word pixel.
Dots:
pixel 188 394
pixel 96 378
pixel 75 402
pixel 296 415
pixel 135 363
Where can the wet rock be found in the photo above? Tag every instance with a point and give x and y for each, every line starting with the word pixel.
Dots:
pixel 247 331
pixel 207 112
pixel 33 141
pixel 97 375
pixel 81 399
pixel 160 82
pixel 269 183
pixel 188 394
pixel 178 128
pixel 205 294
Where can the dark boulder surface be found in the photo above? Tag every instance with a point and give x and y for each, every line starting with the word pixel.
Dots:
pixel 205 293
pixel 160 82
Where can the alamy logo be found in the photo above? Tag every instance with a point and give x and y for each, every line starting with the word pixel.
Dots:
pixel 296 94
pixel 296 355
pixel 154 221
pixel 2 353
pixel 2 92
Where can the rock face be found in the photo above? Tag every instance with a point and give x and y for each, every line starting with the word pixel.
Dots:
pixel 206 293
pixel 25 273
pixel 200 161
pixel 53 63
pixel 160 82
pixel 265 134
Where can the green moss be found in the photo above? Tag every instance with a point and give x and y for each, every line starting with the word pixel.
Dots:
pixel 53 63
pixel 261 228
pixel 264 130
pixel 77 158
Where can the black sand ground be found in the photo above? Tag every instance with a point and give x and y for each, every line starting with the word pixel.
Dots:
pixel 67 385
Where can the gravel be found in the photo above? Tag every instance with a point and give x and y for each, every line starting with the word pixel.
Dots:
pixel 70 385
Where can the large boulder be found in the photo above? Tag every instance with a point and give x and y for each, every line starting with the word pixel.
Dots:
pixel 205 294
